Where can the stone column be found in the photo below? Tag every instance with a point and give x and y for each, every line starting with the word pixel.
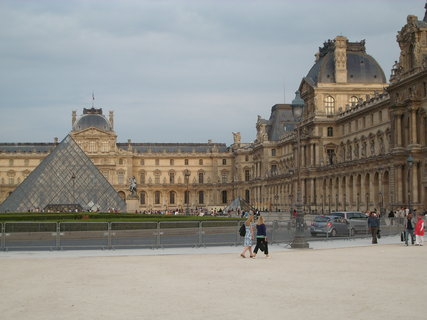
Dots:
pixel 399 130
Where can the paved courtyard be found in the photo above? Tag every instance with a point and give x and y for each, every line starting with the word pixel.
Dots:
pixel 351 280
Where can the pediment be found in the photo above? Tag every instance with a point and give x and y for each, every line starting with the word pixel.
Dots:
pixel 92 133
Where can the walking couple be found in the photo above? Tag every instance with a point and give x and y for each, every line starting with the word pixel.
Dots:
pixel 261 237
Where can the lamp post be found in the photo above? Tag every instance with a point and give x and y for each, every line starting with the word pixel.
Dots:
pixel 299 239
pixel 187 193
pixel 329 203
pixel 380 194
pixel 358 201
pixel 367 201
pixel 345 200
pixel 410 162
pixel 323 204
pixel 336 201
pixel 276 198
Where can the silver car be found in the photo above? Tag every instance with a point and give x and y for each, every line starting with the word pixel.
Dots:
pixel 331 226
pixel 357 221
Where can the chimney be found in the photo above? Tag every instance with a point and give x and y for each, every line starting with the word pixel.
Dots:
pixel 340 56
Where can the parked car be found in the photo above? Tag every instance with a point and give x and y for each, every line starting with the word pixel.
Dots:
pixel 357 221
pixel 331 226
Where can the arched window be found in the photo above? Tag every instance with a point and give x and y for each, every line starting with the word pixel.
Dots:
pixel 224 196
pixel 353 100
pixel 172 197
pixel 329 105
pixel 157 197
pixel 201 197
pixel 142 197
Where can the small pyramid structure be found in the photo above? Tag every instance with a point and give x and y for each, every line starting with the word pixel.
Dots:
pixel 65 179
pixel 238 204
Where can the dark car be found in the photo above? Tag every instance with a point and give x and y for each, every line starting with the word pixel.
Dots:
pixel 331 226
pixel 357 221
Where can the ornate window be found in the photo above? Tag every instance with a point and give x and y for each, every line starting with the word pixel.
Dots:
pixel 201 197
pixel 142 178
pixel 247 175
pixel 201 177
pixel 157 177
pixel 142 197
pixel 329 105
pixel 224 196
pixel 120 177
pixel 353 100
pixel 157 197
pixel 330 132
pixel 171 177
pixel 172 197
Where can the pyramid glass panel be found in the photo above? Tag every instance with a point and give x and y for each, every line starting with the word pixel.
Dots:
pixel 65 180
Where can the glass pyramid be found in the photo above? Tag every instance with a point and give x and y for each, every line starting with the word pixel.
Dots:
pixel 65 180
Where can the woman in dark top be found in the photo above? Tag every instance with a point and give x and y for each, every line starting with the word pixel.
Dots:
pixel 261 237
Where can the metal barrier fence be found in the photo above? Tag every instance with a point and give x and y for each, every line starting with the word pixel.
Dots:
pixel 115 235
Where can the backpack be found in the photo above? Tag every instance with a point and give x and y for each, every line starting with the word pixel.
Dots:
pixel 242 230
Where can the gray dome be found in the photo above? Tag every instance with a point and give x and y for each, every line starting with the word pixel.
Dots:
pixel 92 121
pixel 361 67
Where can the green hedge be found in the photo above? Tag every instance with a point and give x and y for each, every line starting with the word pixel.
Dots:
pixel 33 217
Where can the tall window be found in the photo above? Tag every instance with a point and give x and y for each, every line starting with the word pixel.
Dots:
pixel 329 105
pixel 247 175
pixel 186 162
pixel 10 162
pixel 201 177
pixel 224 177
pixel 157 162
pixel 105 147
pixel 246 158
pixel 273 169
pixel 157 197
pixel 142 197
pixel 92 146
pixel 201 197
pixel 273 152
pixel 172 197
pixel 171 162
pixel 171 177
pixel 224 196
pixel 157 177
pixel 247 195
pixel 224 161
pixel 331 155
pixel 120 177
pixel 142 178
pixel 200 162
pixel 330 132
pixel 141 162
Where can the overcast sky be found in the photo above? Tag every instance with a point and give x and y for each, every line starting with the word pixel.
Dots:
pixel 172 71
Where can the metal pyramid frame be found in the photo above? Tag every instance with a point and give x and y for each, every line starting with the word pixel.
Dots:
pixel 65 180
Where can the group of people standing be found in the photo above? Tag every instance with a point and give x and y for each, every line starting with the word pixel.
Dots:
pixel 254 230
pixel 413 227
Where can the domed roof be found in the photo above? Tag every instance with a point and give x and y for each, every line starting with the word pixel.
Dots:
pixel 92 118
pixel 361 67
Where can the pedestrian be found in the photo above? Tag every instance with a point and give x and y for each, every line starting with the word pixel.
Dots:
pixel 419 231
pixel 409 226
pixel 261 237
pixel 373 225
pixel 249 237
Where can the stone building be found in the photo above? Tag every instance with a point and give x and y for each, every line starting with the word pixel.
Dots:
pixel 360 143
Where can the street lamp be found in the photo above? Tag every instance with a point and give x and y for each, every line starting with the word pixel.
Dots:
pixel 410 162
pixel 329 203
pixel 336 201
pixel 358 201
pixel 276 197
pixel 380 194
pixel 73 179
pixel 323 204
pixel 299 239
pixel 187 193
pixel 345 200
pixel 367 201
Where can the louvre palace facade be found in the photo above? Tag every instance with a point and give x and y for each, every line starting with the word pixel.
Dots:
pixel 360 143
